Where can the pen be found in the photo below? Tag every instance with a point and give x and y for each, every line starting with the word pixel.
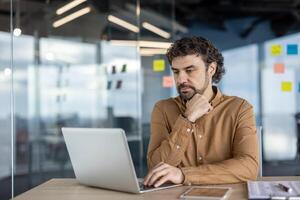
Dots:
pixel 278 198
pixel 284 188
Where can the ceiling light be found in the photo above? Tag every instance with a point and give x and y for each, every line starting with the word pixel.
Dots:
pixel 152 51
pixel 71 17
pixel 123 23
pixel 7 71
pixel 155 44
pixel 49 56
pixel 17 32
pixel 69 6
pixel 151 44
pixel 156 30
pixel 130 43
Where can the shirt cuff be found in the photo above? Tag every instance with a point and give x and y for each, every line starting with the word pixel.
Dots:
pixel 186 180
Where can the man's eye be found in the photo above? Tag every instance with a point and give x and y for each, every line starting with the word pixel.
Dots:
pixel 189 71
pixel 175 72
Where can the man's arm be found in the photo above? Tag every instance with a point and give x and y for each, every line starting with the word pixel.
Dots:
pixel 244 164
pixel 166 146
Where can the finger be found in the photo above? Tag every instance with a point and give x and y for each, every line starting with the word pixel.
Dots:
pixel 157 176
pixel 192 103
pixel 160 163
pixel 199 99
pixel 200 104
pixel 162 180
pixel 209 109
pixel 159 168
pixel 204 97
pixel 193 99
pixel 154 169
pixel 196 97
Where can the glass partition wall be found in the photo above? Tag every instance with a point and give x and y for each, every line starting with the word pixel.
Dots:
pixel 158 23
pixel 7 141
pixel 76 64
pixel 68 74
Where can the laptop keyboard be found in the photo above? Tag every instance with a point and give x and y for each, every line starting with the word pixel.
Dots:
pixel 144 188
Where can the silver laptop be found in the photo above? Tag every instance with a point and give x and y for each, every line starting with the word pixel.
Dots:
pixel 101 158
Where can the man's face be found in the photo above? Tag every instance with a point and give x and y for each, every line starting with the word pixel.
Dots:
pixel 190 76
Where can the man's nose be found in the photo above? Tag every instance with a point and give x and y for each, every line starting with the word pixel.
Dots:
pixel 182 78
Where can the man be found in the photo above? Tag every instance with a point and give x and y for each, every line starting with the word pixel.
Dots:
pixel 201 136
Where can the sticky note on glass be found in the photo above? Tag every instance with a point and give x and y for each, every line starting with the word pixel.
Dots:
pixel 276 50
pixel 286 86
pixel 119 84
pixel 292 49
pixel 114 69
pixel 168 81
pixel 159 65
pixel 124 68
pixel 109 83
pixel 279 68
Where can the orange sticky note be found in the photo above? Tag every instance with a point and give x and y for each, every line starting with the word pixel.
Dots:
pixel 286 86
pixel 279 68
pixel 168 81
pixel 276 50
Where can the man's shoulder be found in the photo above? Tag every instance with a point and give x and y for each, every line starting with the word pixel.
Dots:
pixel 237 101
pixel 167 102
pixel 170 104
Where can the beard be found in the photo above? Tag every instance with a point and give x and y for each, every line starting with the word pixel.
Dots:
pixel 187 95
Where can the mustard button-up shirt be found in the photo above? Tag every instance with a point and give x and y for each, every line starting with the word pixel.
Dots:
pixel 220 147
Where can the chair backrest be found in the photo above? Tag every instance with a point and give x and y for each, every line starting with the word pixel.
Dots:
pixel 259 136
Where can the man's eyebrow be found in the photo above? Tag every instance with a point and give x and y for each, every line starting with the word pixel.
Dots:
pixel 188 67
pixel 191 66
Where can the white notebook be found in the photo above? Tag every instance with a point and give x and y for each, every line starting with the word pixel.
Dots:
pixel 274 190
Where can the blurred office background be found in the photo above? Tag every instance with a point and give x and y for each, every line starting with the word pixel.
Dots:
pixel 101 64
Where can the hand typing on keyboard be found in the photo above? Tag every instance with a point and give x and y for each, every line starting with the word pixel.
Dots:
pixel 163 173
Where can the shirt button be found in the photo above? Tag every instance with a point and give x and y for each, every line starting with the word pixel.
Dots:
pixel 177 146
pixel 189 183
pixel 200 136
pixel 199 158
pixel 188 130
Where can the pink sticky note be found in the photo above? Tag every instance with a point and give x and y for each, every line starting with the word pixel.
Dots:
pixel 279 68
pixel 168 81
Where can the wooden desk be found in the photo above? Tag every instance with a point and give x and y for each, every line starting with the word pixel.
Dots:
pixel 69 189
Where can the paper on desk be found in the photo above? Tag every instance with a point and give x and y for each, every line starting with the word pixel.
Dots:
pixel 269 189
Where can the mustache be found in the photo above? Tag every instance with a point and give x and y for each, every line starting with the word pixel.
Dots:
pixel 184 85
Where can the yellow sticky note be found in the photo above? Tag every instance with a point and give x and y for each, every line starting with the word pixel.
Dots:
pixel 286 86
pixel 276 50
pixel 159 65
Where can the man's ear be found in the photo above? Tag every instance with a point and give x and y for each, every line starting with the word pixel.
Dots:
pixel 212 68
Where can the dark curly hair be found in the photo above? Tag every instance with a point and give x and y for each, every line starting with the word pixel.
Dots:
pixel 200 46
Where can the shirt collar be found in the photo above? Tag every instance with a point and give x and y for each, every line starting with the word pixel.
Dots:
pixel 218 96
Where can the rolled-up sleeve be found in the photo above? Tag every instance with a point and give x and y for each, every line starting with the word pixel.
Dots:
pixel 242 166
pixel 165 145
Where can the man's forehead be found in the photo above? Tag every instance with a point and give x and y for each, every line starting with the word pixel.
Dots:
pixel 186 61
